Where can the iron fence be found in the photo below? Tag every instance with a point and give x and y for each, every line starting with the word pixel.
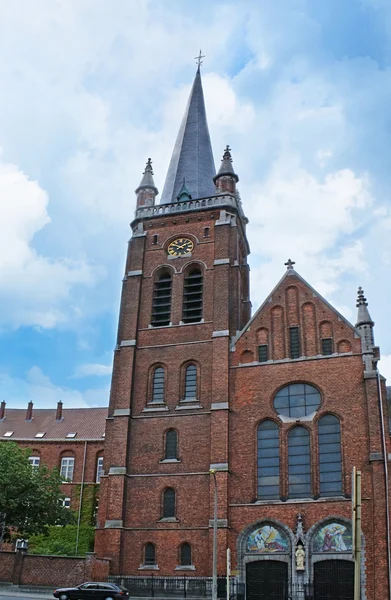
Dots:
pixel 179 587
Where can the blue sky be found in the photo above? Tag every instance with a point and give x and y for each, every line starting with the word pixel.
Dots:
pixel 300 89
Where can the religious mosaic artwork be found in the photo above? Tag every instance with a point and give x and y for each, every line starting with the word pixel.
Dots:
pixel 267 539
pixel 333 537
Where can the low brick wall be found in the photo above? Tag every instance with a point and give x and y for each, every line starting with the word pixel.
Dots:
pixel 56 571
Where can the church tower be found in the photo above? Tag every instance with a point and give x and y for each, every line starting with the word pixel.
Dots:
pixel 185 293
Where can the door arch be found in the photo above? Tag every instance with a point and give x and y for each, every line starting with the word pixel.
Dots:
pixel 267 580
pixel 334 580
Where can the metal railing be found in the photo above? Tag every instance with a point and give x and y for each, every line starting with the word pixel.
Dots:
pixel 180 587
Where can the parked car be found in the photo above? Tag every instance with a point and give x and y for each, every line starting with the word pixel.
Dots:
pixel 92 590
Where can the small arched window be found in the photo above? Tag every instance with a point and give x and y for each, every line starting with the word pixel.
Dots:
pixel 171 447
pixel 299 463
pixel 161 303
pixel 190 383
pixel 185 555
pixel 330 460
pixel 268 460
pixel 192 296
pixel 149 554
pixel 168 503
pixel 158 385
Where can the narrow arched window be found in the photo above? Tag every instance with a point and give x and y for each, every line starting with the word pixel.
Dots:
pixel 185 555
pixel 171 449
pixel 149 554
pixel 268 460
pixel 299 464
pixel 161 303
pixel 330 460
pixel 158 385
pixel 190 382
pixel 192 296
pixel 168 503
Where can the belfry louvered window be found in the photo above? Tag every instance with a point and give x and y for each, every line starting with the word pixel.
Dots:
pixel 190 383
pixel 171 449
pixel 330 460
pixel 168 503
pixel 294 342
pixel 268 460
pixel 161 303
pixel 158 385
pixel 192 297
pixel 299 463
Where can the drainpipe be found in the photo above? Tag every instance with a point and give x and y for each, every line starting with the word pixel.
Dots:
pixel 81 498
pixel 384 447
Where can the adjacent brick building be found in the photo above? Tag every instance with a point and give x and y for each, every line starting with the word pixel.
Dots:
pixel 279 406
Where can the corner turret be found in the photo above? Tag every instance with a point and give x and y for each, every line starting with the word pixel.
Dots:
pixel 365 327
pixel 147 191
pixel 226 179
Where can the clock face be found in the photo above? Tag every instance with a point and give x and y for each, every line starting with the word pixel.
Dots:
pixel 180 246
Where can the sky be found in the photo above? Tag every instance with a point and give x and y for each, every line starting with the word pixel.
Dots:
pixel 89 89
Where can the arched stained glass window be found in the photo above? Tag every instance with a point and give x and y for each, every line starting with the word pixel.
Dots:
pixel 330 460
pixel 192 296
pixel 168 503
pixel 299 463
pixel 158 385
pixel 171 449
pixel 185 555
pixel 268 460
pixel 191 382
pixel 161 302
pixel 149 554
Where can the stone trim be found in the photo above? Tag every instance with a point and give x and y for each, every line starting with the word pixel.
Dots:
pixel 122 412
pixel 221 261
pixel 374 456
pixel 188 407
pixel 117 471
pixel 222 333
pixel 148 568
pixel 292 360
pixel 134 273
pixel 219 406
pixel 185 568
pixel 218 467
pixel 113 524
pixel 221 523
pixel 155 408
pixel 169 460
pixel 125 343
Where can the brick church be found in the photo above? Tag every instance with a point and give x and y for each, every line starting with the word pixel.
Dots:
pixel 279 405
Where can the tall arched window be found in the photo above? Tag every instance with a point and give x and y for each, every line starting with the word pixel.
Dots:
pixel 185 555
pixel 330 460
pixel 268 460
pixel 161 303
pixel 171 446
pixel 299 464
pixel 149 554
pixel 190 383
pixel 168 503
pixel 192 296
pixel 158 385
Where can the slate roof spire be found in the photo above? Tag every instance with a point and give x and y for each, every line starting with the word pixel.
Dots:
pixel 192 157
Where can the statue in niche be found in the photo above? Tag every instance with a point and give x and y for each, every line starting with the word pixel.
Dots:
pixel 300 557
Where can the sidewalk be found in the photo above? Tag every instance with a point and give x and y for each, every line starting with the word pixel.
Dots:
pixel 27 592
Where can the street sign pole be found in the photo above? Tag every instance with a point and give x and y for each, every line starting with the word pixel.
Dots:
pixel 356 531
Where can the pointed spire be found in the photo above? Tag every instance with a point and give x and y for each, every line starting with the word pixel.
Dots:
pixel 226 179
pixel 365 327
pixel 192 157
pixel 184 193
pixel 363 316
pixel 147 191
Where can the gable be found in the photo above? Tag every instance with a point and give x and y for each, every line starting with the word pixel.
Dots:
pixel 293 322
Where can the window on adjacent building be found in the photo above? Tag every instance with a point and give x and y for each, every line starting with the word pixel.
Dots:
pixel 168 503
pixel 190 383
pixel 185 555
pixel 99 469
pixel 149 554
pixel 67 467
pixel 263 353
pixel 34 461
pixel 71 434
pixel 161 303
pixel 171 449
pixel 299 464
pixel 66 503
pixel 268 460
pixel 327 346
pixel 192 296
pixel 297 400
pixel 8 434
pixel 40 434
pixel 330 460
pixel 294 342
pixel 158 385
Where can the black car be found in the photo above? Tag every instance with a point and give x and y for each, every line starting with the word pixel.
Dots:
pixel 92 590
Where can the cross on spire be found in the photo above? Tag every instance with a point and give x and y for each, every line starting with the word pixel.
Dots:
pixel 289 264
pixel 199 59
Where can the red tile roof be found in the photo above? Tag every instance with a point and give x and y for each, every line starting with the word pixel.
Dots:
pixel 87 423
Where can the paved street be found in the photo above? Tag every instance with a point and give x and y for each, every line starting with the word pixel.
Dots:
pixel 5 595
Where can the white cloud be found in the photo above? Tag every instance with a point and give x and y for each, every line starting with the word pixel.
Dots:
pixel 385 367
pixel 34 289
pixel 92 369
pixel 38 388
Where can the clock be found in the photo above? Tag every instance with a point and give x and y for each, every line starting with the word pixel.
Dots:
pixel 180 246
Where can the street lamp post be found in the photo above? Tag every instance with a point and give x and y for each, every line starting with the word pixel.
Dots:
pixel 214 568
